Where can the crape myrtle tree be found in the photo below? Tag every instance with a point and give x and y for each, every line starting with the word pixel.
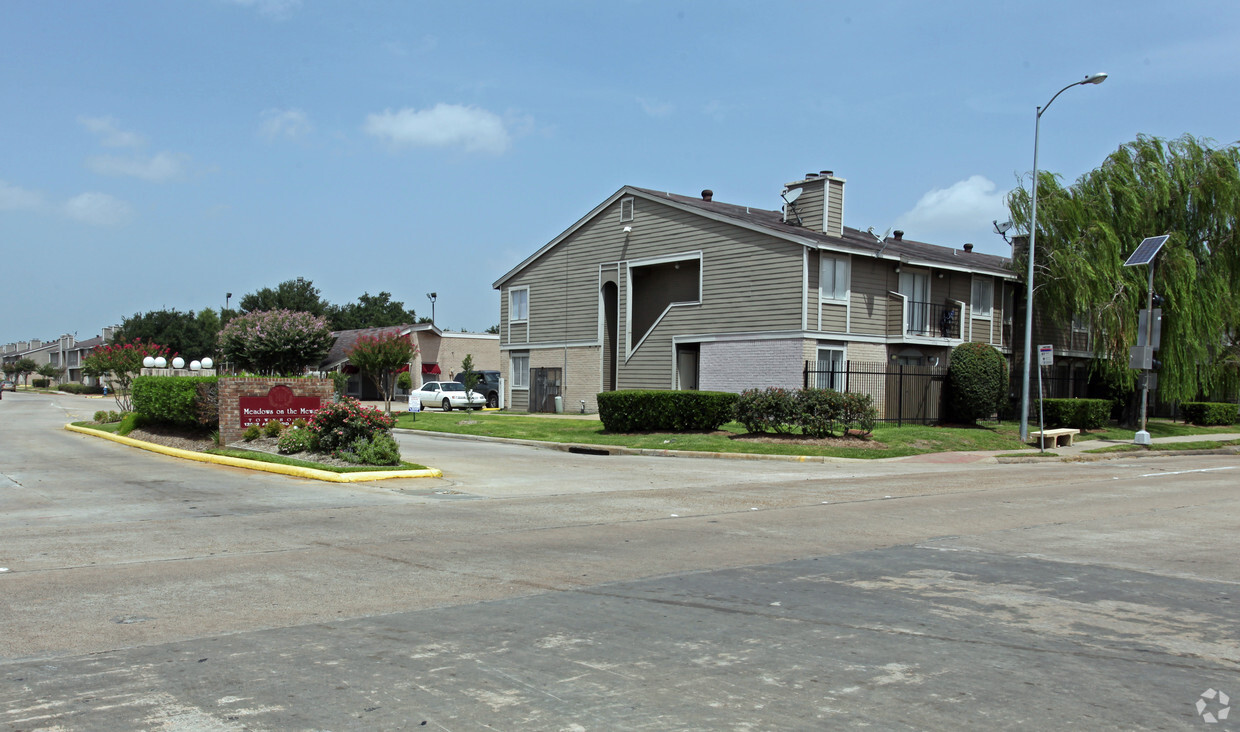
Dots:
pixel 380 357
pixel 119 363
pixel 1186 188
pixel 275 342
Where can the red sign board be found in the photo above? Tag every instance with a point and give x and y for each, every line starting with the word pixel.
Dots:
pixel 280 404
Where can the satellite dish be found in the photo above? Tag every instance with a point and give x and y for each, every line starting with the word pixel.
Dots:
pixel 790 194
pixel 1003 228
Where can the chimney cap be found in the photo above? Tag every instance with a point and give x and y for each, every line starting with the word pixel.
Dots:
pixel 707 194
pixel 809 176
pixel 968 247
pixel 899 234
pixel 826 173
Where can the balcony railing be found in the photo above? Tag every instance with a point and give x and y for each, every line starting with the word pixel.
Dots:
pixel 932 320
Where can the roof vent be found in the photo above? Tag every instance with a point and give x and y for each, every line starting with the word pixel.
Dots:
pixel 968 247
pixel 898 234
pixel 826 173
pixel 708 194
pixel 810 176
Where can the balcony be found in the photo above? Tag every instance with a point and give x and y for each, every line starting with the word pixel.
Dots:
pixel 924 319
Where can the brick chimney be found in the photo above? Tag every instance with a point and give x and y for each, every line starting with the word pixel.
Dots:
pixel 820 205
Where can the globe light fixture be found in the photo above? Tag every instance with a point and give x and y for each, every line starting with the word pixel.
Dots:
pixel 149 362
pixel 207 363
pixel 195 365
pixel 161 362
pixel 178 363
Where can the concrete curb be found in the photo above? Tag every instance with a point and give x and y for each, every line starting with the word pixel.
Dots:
pixel 293 470
pixel 1099 457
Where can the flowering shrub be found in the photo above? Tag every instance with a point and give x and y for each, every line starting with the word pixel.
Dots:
pixel 336 426
pixel 294 440
pixel 121 362
pixel 276 341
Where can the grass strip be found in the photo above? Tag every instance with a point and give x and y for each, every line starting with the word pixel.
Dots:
pixel 1168 446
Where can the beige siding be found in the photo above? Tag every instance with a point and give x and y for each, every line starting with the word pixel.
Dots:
pixel 834 216
pixel 834 318
pixel 809 206
pixel 895 315
pixel 872 279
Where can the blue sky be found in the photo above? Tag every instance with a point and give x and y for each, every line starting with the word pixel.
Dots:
pixel 160 154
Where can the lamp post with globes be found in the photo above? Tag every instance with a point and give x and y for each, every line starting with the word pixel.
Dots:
pixel 1033 234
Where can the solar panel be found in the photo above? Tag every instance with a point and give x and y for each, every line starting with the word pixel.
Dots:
pixel 1146 250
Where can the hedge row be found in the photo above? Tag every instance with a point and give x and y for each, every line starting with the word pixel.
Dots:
pixel 639 410
pixel 40 383
pixel 1210 413
pixel 72 387
pixel 1083 414
pixel 817 412
pixel 184 400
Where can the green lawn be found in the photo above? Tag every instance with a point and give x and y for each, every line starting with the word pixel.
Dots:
pixel 887 441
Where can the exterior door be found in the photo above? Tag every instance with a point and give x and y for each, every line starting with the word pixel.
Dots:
pixel 687 366
pixel 915 286
pixel 544 388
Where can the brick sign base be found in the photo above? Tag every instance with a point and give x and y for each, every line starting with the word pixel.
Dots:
pixel 256 400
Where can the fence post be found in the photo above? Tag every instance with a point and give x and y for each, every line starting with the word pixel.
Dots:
pixel 900 401
pixel 805 376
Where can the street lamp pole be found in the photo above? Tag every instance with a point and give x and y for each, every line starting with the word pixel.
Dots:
pixel 1033 234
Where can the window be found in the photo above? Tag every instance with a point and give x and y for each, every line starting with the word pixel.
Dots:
pixel 983 296
pixel 833 278
pixel 626 209
pixel 520 371
pixel 519 305
pixel 830 369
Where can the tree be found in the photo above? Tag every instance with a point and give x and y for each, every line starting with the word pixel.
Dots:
pixel 121 362
pixel 1185 188
pixel 493 330
pixel 380 357
pixel 280 342
pixel 469 378
pixel 50 371
pixel 370 311
pixel 189 334
pixel 24 367
pixel 299 295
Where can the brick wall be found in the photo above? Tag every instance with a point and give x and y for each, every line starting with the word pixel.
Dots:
pixel 231 391
pixel 738 365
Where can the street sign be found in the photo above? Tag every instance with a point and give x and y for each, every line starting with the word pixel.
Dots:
pixel 1140 357
pixel 1046 355
pixel 1142 324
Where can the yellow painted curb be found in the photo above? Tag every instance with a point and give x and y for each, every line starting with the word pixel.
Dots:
pixel 293 470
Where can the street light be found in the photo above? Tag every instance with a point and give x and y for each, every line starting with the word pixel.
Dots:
pixel 1033 234
pixel 432 296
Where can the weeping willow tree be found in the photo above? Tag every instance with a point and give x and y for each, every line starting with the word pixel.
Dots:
pixel 1186 188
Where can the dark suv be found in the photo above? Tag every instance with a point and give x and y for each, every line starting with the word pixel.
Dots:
pixel 488 385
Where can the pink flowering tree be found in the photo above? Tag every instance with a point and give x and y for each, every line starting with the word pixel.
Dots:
pixel 276 342
pixel 119 363
pixel 381 357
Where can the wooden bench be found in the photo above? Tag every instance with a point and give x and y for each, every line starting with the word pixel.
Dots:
pixel 1060 437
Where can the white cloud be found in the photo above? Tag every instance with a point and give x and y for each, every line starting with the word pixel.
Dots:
pixel 655 108
pixel 16 198
pixel 289 123
pixel 160 167
pixel 98 209
pixel 111 135
pixel 444 125
pixel 274 9
pixel 960 213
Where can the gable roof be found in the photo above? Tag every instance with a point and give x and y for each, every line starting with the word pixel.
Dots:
pixel 346 339
pixel 854 241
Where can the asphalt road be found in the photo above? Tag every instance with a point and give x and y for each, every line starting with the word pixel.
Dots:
pixel 535 589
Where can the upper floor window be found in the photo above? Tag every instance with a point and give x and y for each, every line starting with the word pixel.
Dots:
pixel 519 304
pixel 833 278
pixel 983 296
pixel 626 209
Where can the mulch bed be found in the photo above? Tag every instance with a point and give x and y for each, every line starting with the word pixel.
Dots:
pixel 853 441
pixel 184 438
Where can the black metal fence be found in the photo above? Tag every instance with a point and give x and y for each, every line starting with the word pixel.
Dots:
pixel 912 394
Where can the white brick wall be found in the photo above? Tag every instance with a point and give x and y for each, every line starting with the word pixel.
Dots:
pixel 738 365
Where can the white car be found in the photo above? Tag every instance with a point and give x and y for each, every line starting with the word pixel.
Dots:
pixel 448 395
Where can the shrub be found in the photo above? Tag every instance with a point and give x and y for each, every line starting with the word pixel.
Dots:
pixel 40 383
pixel 173 399
pixel 114 416
pixel 207 402
pixel 381 449
pixel 977 380
pixel 404 381
pixel 299 424
pixel 1210 413
pixel 251 433
pixel 663 410
pixel 71 387
pixel 767 410
pixel 338 425
pixel 1083 414
pixel 295 440
pixel 101 416
pixel 340 381
pixel 272 428
pixel 130 421
pixel 827 413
